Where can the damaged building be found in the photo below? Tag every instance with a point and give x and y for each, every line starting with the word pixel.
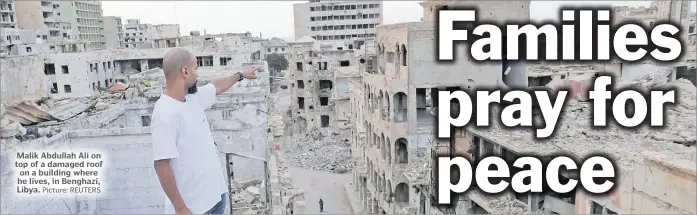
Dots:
pixel 103 100
pixel 313 67
pixel 400 84
pixel 394 113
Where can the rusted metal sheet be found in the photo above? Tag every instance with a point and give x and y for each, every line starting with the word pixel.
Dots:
pixel 27 113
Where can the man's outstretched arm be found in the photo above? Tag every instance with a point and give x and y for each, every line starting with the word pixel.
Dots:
pixel 223 84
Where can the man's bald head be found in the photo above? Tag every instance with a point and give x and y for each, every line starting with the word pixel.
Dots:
pixel 175 60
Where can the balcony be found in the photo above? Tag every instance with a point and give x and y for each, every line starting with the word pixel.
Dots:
pixel 47 8
pixel 49 19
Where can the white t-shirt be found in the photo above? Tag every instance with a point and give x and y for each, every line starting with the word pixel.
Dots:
pixel 180 132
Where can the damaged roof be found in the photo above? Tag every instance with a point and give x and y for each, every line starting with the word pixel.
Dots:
pixel 27 113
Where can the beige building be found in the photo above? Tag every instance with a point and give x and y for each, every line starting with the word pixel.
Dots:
pixel 337 20
pixel 43 15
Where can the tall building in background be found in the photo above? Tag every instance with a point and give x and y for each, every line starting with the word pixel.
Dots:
pixel 144 36
pixel 137 34
pixel 7 14
pixel 337 20
pixel 113 32
pixel 85 19
pixel 43 16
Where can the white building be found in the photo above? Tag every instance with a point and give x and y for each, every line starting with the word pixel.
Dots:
pixel 337 20
pixel 23 41
pixel 165 35
pixel 85 20
pixel 136 34
pixel 113 32
pixel 143 35
pixel 277 46
pixel 7 14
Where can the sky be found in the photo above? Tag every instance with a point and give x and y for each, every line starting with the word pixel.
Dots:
pixel 275 18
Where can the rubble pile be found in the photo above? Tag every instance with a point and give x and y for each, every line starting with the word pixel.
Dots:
pixel 319 151
pixel 575 135
pixel 419 168
pixel 498 203
pixel 627 145
pixel 245 197
pixel 285 178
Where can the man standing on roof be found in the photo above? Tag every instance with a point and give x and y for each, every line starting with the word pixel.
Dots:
pixel 186 159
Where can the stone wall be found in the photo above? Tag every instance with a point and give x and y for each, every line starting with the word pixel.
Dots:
pixel 242 126
pixel 129 183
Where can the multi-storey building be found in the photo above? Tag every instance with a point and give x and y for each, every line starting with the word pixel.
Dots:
pixel 143 35
pixel 313 67
pixel 677 12
pixel 337 20
pixel 85 20
pixel 277 46
pixel 113 32
pixel 136 35
pixel 164 35
pixel 43 15
pixel 400 83
pixel 7 14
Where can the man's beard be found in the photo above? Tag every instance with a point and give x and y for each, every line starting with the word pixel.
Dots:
pixel 193 89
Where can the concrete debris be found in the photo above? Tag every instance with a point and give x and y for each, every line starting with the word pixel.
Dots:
pixel 276 125
pixel 418 169
pixel 10 129
pixel 284 175
pixel 575 135
pixel 321 152
pixel 245 195
pixel 497 203
pixel 34 132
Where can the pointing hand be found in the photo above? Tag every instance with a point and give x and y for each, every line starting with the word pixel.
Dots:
pixel 251 72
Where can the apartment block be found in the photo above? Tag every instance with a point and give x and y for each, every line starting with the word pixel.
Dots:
pixel 43 15
pixel 676 12
pixel 85 20
pixel 165 35
pixel 137 35
pixel 400 82
pixel 113 32
pixel 277 46
pixel 8 17
pixel 337 20
pixel 142 35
